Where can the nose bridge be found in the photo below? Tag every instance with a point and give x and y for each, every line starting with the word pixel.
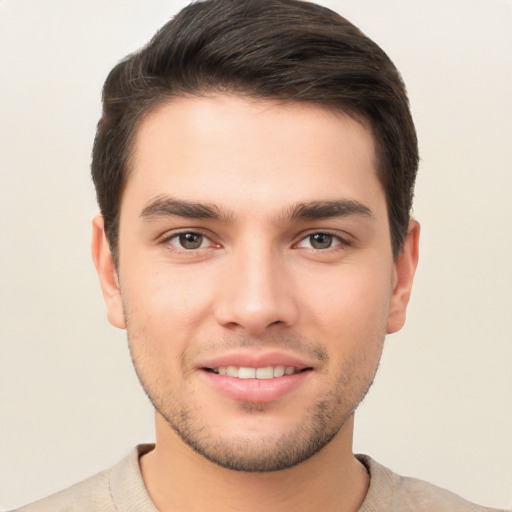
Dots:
pixel 254 295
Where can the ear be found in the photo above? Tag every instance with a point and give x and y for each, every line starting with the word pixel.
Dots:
pixel 107 273
pixel 405 267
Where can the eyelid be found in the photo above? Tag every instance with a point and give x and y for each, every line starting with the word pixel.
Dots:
pixel 344 239
pixel 169 235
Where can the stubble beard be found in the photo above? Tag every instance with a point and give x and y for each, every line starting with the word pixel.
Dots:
pixel 254 455
pixel 265 453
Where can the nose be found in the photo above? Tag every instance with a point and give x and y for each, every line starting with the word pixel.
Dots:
pixel 257 293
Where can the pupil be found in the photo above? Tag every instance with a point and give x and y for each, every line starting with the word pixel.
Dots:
pixel 191 240
pixel 321 241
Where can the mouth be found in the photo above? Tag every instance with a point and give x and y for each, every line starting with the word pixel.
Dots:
pixel 257 378
pixel 261 373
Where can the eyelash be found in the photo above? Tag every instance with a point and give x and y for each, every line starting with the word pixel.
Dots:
pixel 341 241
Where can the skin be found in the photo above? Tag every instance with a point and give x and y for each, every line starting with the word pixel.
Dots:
pixel 256 284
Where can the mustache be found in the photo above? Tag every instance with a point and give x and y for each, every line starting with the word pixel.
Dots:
pixel 288 342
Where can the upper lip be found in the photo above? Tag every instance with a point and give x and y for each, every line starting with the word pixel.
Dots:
pixel 256 360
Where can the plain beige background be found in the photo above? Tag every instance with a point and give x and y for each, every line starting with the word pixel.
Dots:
pixel 441 407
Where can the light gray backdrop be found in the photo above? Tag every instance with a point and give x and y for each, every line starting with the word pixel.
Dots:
pixel 441 406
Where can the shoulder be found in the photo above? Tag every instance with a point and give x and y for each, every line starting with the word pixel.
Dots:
pixel 108 491
pixel 91 494
pixel 389 491
pixel 419 495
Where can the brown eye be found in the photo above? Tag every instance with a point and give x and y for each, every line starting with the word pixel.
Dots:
pixel 190 240
pixel 320 240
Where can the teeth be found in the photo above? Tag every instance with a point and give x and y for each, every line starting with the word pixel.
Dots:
pixel 232 371
pixel 244 372
pixel 264 373
pixel 279 371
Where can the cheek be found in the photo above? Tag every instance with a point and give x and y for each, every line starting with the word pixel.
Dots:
pixel 351 301
pixel 166 290
pixel 165 308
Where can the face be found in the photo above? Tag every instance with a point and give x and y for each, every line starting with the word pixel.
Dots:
pixel 256 279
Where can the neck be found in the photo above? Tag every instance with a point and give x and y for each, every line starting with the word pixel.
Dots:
pixel 179 479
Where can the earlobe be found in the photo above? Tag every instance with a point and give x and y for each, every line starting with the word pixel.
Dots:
pixel 405 267
pixel 107 273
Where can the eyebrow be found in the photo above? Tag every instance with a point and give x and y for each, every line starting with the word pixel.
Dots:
pixel 316 210
pixel 163 206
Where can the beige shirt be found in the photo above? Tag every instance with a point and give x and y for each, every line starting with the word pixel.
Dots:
pixel 121 489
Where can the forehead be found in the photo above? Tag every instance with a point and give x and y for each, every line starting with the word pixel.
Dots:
pixel 241 151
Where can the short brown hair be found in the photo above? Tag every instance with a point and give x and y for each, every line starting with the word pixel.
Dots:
pixel 277 49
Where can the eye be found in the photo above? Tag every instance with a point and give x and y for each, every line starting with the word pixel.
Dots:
pixel 189 241
pixel 320 241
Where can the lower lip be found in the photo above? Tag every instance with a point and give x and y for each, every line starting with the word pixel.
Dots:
pixel 255 390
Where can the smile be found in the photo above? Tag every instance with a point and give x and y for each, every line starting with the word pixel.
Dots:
pixel 244 372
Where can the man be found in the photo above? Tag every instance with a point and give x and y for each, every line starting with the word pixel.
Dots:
pixel 254 167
